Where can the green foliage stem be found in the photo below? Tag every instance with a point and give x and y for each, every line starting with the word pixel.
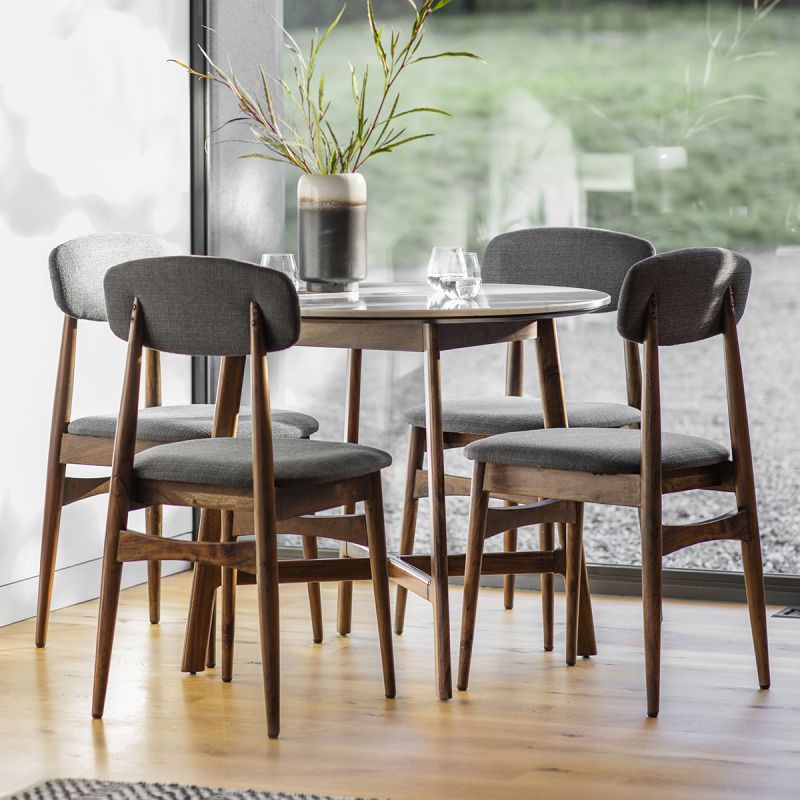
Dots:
pixel 303 137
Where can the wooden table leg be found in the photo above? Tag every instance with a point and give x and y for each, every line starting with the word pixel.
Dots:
pixel 436 493
pixel 208 578
pixel 344 612
pixel 515 372
pixel 201 607
pixel 551 385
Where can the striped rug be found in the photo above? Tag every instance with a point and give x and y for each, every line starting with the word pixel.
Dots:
pixel 78 789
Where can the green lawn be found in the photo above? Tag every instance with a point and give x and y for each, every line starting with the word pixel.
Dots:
pixel 546 72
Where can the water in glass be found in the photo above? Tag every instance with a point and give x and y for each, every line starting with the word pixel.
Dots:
pixel 465 283
pixel 444 261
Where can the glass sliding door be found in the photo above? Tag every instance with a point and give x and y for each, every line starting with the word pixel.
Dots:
pixel 676 121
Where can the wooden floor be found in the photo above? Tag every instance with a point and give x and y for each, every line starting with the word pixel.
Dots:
pixel 528 728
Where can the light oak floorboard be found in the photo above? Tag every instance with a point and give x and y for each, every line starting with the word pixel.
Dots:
pixel 528 727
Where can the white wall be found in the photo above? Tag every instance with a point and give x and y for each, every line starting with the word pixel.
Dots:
pixel 94 137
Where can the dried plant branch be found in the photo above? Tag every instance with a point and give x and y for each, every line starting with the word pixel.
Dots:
pixel 306 139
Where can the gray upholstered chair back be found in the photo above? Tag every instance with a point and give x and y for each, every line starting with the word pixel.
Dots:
pixel 77 268
pixel 690 287
pixel 200 306
pixel 589 258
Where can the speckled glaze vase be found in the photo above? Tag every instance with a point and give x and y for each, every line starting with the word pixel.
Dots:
pixel 332 222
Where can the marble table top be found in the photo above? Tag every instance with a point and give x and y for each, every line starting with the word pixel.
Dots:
pixel 417 301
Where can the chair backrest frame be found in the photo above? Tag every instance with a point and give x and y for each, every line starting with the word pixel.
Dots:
pixel 264 500
pixel 120 484
pixel 78 268
pixel 551 240
pixel 691 287
pixel 229 395
pixel 651 468
pixel 738 420
pixel 738 424
pixel 64 391
pixel 194 304
pixel 589 258
pixel 681 297
pixel 64 388
pixel 261 338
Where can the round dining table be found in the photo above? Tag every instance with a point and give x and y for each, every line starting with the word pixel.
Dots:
pixel 409 317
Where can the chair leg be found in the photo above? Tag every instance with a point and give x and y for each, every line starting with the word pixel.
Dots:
pixel 479 504
pixel 510 546
pixel 54 497
pixel 574 559
pixel 587 642
pixel 228 604
pixel 211 645
pixel 651 603
pixel 547 542
pixel 154 526
pixel 107 618
pixel 269 623
pixel 310 551
pixel 408 527
pixel 379 564
pixel 344 607
pixel 756 604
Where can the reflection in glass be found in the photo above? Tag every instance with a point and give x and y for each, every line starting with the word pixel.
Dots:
pixel 283 262
pixel 459 304
pixel 678 125
pixel 793 220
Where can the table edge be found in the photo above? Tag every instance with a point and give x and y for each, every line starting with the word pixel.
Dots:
pixel 475 314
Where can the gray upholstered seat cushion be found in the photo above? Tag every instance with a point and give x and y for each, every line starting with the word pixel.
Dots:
pixel 490 415
pixel 603 452
pixel 229 462
pixel 179 423
pixel 285 424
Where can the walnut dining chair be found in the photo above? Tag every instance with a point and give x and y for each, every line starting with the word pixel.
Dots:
pixel 202 306
pixel 674 298
pixel 589 258
pixel 77 268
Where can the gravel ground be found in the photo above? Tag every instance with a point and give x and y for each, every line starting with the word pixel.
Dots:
pixel 693 402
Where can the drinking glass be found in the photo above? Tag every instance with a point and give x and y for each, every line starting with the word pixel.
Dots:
pixel 464 283
pixel 444 261
pixel 283 262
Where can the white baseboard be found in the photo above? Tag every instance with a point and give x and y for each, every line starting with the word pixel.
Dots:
pixel 75 584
